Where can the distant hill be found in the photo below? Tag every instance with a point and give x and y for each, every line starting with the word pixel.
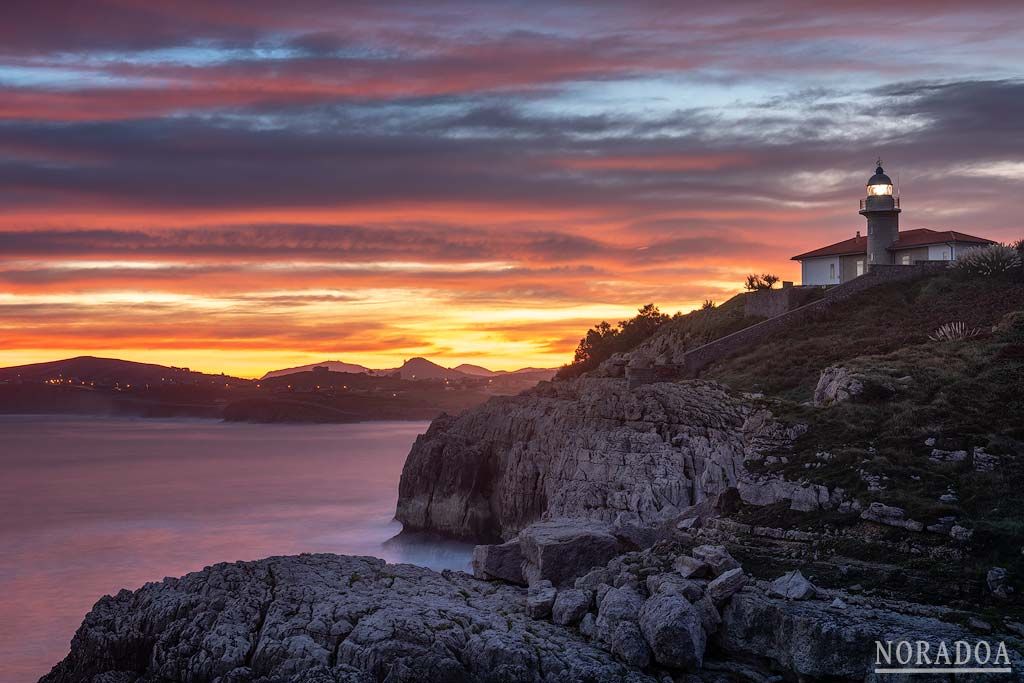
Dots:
pixel 106 371
pixel 332 365
pixel 421 368
pixel 476 370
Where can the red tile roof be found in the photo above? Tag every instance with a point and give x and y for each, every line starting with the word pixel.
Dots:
pixel 918 237
pixel 854 245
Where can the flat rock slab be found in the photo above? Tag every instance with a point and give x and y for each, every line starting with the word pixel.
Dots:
pixel 560 550
pixel 320 618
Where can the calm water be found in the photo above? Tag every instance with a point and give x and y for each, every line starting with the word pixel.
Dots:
pixel 92 505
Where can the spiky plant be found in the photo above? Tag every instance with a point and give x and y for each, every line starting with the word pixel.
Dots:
pixel 957 331
pixel 995 259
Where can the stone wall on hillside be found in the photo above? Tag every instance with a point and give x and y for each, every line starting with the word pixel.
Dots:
pixel 768 303
pixel 702 356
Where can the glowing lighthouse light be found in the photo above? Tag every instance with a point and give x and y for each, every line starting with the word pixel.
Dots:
pixel 879 185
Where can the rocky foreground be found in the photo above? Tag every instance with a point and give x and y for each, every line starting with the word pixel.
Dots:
pixel 667 613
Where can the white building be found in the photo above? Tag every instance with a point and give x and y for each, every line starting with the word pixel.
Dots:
pixel 885 243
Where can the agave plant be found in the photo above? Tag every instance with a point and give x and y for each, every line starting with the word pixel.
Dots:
pixel 994 259
pixel 957 331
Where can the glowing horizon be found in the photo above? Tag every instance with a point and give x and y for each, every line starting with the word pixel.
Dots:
pixel 263 186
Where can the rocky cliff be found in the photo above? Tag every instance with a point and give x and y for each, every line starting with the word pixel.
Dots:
pixel 591 448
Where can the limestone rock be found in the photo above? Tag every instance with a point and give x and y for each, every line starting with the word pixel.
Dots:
pixel 590 448
pixel 835 385
pixel 503 561
pixel 560 550
pixel 793 586
pixel 616 626
pixel 674 584
pixel 570 606
pixel 540 598
pixel 674 632
pixel 817 643
pixel 890 516
pixel 690 567
pixel 327 619
pixel 998 582
pixel 727 584
pixel 716 557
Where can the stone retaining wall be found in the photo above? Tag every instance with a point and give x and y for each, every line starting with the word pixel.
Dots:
pixel 702 356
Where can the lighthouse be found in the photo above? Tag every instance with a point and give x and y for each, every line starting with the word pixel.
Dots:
pixel 882 210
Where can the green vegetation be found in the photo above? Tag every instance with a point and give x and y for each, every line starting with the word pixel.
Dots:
pixel 995 259
pixel 603 340
pixel 926 395
pixel 687 331
pixel 755 282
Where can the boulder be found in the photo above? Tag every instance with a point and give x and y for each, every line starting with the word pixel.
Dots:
pixel 560 550
pixel 998 582
pixel 690 567
pixel 503 561
pixel 673 630
pixel 716 557
pixel 726 585
pixel 673 584
pixel 616 626
pixel 570 606
pixel 835 385
pixel 890 516
pixel 540 598
pixel 594 578
pixel 793 586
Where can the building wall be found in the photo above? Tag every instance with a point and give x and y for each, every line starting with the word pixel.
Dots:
pixel 848 266
pixel 940 252
pixel 911 256
pixel 820 271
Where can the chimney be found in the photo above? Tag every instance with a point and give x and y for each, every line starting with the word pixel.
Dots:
pixel 858 233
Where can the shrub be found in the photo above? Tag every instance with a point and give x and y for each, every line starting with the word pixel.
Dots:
pixel 953 332
pixel 604 340
pixel 707 305
pixel 995 259
pixel 756 282
pixel 1010 327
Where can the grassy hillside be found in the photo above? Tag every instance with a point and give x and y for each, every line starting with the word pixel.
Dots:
pixel 920 395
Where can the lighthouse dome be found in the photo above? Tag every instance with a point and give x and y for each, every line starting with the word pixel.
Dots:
pixel 879 178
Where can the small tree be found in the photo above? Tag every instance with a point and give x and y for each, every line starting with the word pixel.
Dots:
pixel 756 282
pixel 707 305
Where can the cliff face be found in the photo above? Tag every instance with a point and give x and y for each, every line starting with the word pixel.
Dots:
pixel 588 448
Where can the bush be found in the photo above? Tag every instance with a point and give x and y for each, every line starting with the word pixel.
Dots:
pixel 953 332
pixel 995 259
pixel 756 282
pixel 604 340
pixel 1011 327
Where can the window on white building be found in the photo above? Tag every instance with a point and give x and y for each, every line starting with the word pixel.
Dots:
pixel 831 271
pixel 905 259
pixel 860 268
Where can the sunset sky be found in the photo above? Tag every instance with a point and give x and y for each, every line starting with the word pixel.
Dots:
pixel 246 185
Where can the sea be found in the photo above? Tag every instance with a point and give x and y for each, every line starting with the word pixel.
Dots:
pixel 90 505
